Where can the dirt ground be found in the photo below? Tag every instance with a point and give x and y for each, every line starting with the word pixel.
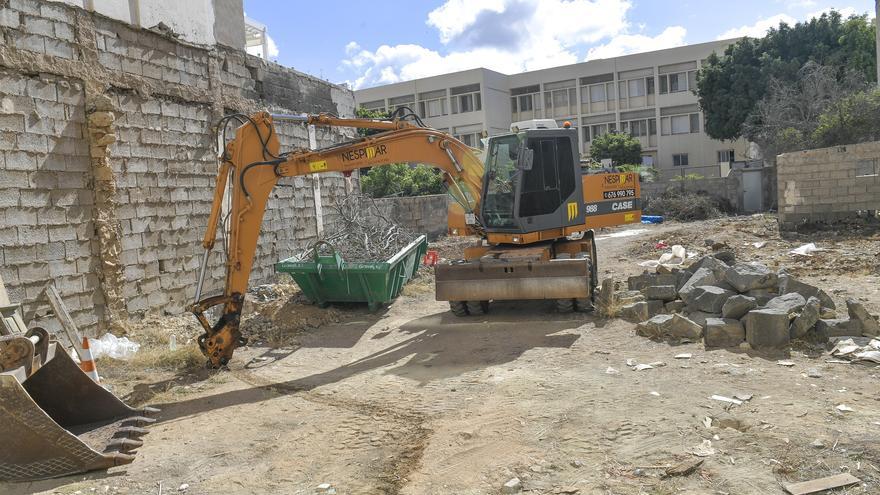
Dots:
pixel 413 400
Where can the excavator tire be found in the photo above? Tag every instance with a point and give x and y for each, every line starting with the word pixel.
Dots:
pixel 458 308
pixel 478 307
pixel 565 305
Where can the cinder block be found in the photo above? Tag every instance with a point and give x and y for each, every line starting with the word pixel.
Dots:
pixel 37 25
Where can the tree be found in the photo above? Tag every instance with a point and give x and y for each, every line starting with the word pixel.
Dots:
pixel 366 113
pixel 786 118
pixel 399 179
pixel 730 86
pixel 854 119
pixel 620 147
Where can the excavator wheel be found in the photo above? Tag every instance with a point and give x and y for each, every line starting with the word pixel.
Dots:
pixel 478 307
pixel 458 308
pixel 583 305
pixel 565 305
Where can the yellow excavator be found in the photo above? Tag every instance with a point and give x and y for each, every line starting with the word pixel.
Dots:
pixel 530 202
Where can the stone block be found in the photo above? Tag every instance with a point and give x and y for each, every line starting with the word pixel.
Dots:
pixel 737 306
pixel 767 328
pixel 675 306
pixel 835 327
pixel 748 276
pixel 857 312
pixel 642 281
pixel 789 303
pixel 703 276
pixel 653 327
pixel 714 264
pixel 635 312
pixel 661 292
pixel 672 326
pixel 762 296
pixel 788 284
pixel 708 298
pixel 700 317
pixel 806 320
pixel 724 332
pixel 655 307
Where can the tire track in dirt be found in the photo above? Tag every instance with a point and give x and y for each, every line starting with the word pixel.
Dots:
pixel 409 446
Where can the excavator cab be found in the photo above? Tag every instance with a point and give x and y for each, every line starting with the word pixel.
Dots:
pixel 532 182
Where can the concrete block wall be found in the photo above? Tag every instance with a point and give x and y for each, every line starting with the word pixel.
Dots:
pixel 828 184
pixel 107 159
pixel 420 214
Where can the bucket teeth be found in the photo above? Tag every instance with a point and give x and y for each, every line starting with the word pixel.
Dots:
pixel 123 445
pixel 138 421
pixel 130 432
pixel 121 459
pixel 151 411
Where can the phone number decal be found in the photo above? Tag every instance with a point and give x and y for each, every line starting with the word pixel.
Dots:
pixel 623 193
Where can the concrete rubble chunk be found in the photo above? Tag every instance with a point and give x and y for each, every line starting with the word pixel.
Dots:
pixel 675 306
pixel 653 327
pixel 767 328
pixel 747 276
pixel 762 295
pixel 724 332
pixel 661 292
pixel 715 265
pixel 857 312
pixel 635 312
pixel 789 284
pixel 703 276
pixel 791 303
pixel 700 317
pixel 737 306
pixel 513 485
pixel 806 320
pixel 655 307
pixel 708 298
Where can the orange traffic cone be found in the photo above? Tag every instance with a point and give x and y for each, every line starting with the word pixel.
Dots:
pixel 88 363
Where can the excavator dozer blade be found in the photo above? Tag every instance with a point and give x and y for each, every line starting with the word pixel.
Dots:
pixel 512 280
pixel 58 422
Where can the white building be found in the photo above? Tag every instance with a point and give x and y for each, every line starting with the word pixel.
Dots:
pixel 648 95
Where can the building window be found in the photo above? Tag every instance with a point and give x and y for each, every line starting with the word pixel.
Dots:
pixel 725 156
pixel 466 98
pixel 525 100
pixel 678 81
pixel 636 87
pixel 378 105
pixel 680 124
pixel 597 93
pixel 593 131
pixel 560 99
pixel 400 101
pixel 432 103
pixel 680 160
pixel 640 128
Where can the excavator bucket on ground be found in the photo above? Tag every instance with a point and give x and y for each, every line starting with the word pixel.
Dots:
pixel 54 419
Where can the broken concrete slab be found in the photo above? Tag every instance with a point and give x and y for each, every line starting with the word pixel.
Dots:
pixel 748 276
pixel 767 328
pixel 806 320
pixel 788 284
pixel 675 306
pixel 661 292
pixel 791 303
pixel 635 312
pixel 703 276
pixel 708 298
pixel 857 312
pixel 737 306
pixel 724 332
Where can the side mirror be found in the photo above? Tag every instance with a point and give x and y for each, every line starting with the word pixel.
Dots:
pixel 526 159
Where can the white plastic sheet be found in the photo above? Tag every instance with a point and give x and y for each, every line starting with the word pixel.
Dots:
pixel 113 346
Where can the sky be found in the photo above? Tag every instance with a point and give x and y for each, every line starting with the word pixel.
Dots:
pixel 371 43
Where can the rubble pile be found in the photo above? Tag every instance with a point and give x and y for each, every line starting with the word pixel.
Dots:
pixel 726 303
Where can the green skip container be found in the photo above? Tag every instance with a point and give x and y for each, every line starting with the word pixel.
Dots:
pixel 327 278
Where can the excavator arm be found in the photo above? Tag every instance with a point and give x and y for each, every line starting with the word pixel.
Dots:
pixel 252 165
